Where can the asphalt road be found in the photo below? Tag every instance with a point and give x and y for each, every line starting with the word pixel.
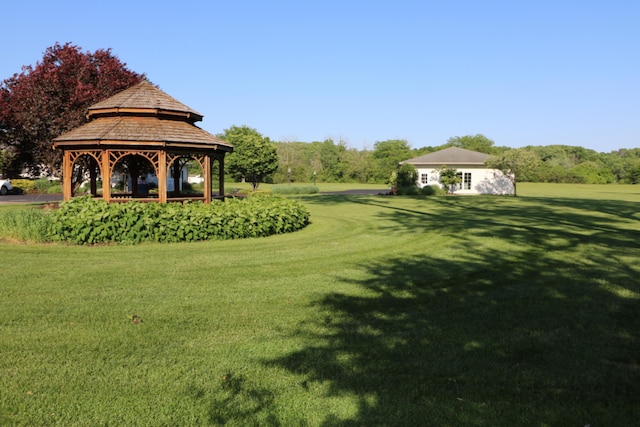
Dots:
pixel 50 198
pixel 30 198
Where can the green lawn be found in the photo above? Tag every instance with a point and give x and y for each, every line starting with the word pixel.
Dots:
pixel 481 311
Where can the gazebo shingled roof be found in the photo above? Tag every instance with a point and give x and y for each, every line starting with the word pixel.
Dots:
pixel 148 130
pixel 142 121
pixel 144 95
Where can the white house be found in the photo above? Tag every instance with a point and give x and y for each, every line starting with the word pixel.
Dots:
pixel 476 177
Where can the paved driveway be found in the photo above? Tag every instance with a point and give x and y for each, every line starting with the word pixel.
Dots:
pixel 49 198
pixel 30 198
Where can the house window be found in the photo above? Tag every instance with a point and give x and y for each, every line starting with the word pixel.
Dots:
pixel 424 178
pixel 466 181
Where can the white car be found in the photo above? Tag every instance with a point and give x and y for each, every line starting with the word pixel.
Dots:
pixel 5 186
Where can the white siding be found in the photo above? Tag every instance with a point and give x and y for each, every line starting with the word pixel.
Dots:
pixel 483 180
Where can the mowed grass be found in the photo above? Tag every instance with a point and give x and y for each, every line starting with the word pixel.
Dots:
pixel 384 311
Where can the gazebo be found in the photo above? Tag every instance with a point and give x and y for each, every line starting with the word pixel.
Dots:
pixel 146 130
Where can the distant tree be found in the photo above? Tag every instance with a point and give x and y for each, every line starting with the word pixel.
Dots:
pixel 566 156
pixel 593 173
pixel 407 176
pixel 514 164
pixel 44 101
pixel 633 174
pixel 548 173
pixel 359 165
pixel 622 163
pixel 312 153
pixel 449 177
pixel 392 180
pixel 479 143
pixel 254 157
pixel 387 154
pixel 332 157
pixel 291 155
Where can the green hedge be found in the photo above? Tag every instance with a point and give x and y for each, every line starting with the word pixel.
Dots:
pixel 427 190
pixel 37 186
pixel 84 220
pixel 26 186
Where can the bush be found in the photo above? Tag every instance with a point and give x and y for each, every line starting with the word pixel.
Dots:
pixel 42 185
pixel 407 191
pixel 412 190
pixel 87 221
pixel 37 186
pixel 432 190
pixel 55 188
pixel 27 186
pixel 407 176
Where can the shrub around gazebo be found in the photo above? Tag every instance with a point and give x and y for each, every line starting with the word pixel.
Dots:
pixel 84 220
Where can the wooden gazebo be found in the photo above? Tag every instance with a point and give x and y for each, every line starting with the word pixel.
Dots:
pixel 143 127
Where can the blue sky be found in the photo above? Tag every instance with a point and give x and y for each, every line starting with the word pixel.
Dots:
pixel 527 72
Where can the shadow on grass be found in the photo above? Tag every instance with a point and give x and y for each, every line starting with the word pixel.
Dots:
pixel 242 404
pixel 542 328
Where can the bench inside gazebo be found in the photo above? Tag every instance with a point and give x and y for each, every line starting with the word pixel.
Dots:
pixel 138 131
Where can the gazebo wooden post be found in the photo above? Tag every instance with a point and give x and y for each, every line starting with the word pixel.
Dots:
pixel 67 176
pixel 207 178
pixel 107 170
pixel 162 176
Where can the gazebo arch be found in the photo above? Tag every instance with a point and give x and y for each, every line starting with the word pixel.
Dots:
pixel 141 121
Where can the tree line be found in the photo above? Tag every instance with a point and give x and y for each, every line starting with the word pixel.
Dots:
pixel 43 101
pixel 333 161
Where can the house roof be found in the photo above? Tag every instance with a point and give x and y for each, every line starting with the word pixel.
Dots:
pixel 450 156
pixel 142 115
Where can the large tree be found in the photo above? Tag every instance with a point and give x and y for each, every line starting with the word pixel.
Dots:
pixel 43 101
pixel 407 176
pixel 387 154
pixel 514 164
pixel 254 156
pixel 479 143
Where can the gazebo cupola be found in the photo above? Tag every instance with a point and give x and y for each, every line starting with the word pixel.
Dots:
pixel 142 127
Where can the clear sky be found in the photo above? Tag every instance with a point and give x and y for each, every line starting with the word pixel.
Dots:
pixel 520 72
